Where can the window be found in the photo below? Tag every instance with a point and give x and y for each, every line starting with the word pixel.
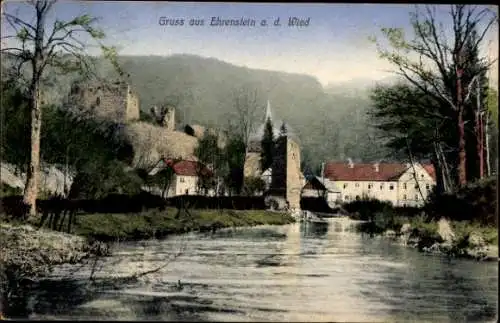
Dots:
pixel 345 185
pixel 357 197
pixel 416 197
pixel 370 186
pixel 391 187
pixel 181 179
pixel 422 176
pixel 98 101
pixel 404 197
pixel 427 187
pixel 357 185
pixel 416 186
pixel 346 197
pixel 404 186
pixel 381 186
pixel 187 191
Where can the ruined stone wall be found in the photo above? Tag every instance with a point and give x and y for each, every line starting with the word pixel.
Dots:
pixel 114 101
pixel 169 119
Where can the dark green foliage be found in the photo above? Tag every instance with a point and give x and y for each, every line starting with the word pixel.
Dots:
pixel 162 179
pixel 267 144
pixel 6 190
pixel 475 202
pixel 366 209
pixel 209 155
pixel 97 180
pixel 14 124
pixel 235 157
pixel 283 130
pixel 253 185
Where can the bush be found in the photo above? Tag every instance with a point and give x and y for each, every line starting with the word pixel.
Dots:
pixel 219 202
pixel 476 202
pixel 315 204
pixel 367 208
pixel 97 180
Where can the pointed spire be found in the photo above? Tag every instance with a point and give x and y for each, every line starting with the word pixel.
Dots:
pixel 268 112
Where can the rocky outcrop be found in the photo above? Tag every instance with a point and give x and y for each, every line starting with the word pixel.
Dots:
pixel 151 142
pixel 446 242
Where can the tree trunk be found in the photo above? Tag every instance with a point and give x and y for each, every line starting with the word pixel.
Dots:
pixel 462 171
pixel 487 144
pixel 462 179
pixel 32 176
pixel 481 146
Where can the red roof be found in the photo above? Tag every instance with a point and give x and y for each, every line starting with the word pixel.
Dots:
pixel 430 169
pixel 367 172
pixel 187 167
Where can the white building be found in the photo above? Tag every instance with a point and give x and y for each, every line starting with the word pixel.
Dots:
pixel 184 180
pixel 400 184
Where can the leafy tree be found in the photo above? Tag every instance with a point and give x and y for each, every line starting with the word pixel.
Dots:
pixel 235 158
pixel 13 127
pixel 267 144
pixel 253 185
pixel 441 70
pixel 283 131
pixel 245 102
pixel 163 179
pixel 59 49
pixel 209 156
pixel 97 180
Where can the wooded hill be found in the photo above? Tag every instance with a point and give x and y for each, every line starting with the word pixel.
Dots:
pixel 330 123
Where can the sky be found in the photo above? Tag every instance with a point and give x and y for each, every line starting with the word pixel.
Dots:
pixel 334 47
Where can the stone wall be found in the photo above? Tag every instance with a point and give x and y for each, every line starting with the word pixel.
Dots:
pixel 286 177
pixel 169 119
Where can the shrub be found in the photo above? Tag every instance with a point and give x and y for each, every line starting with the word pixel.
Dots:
pixel 475 202
pixel 367 208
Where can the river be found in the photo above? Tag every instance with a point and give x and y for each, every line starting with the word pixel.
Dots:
pixel 273 273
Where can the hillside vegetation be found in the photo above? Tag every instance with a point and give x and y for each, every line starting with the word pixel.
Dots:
pixel 331 124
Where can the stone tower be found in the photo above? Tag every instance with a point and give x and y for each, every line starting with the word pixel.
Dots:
pixel 165 116
pixel 286 182
pixel 114 101
pixel 169 119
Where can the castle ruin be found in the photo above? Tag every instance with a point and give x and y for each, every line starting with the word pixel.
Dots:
pixel 112 101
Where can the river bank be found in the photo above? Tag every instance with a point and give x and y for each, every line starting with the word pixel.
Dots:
pixel 157 224
pixel 462 239
pixel 27 254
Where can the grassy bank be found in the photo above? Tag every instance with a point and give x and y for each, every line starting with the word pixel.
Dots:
pixel 158 224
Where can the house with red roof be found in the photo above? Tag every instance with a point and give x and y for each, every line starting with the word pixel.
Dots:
pixel 183 178
pixel 399 183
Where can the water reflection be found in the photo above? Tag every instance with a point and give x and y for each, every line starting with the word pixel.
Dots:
pixel 288 273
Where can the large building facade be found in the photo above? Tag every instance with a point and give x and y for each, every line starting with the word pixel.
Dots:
pixel 400 184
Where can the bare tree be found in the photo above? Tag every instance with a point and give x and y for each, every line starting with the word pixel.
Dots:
pixel 245 102
pixel 42 47
pixel 436 66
